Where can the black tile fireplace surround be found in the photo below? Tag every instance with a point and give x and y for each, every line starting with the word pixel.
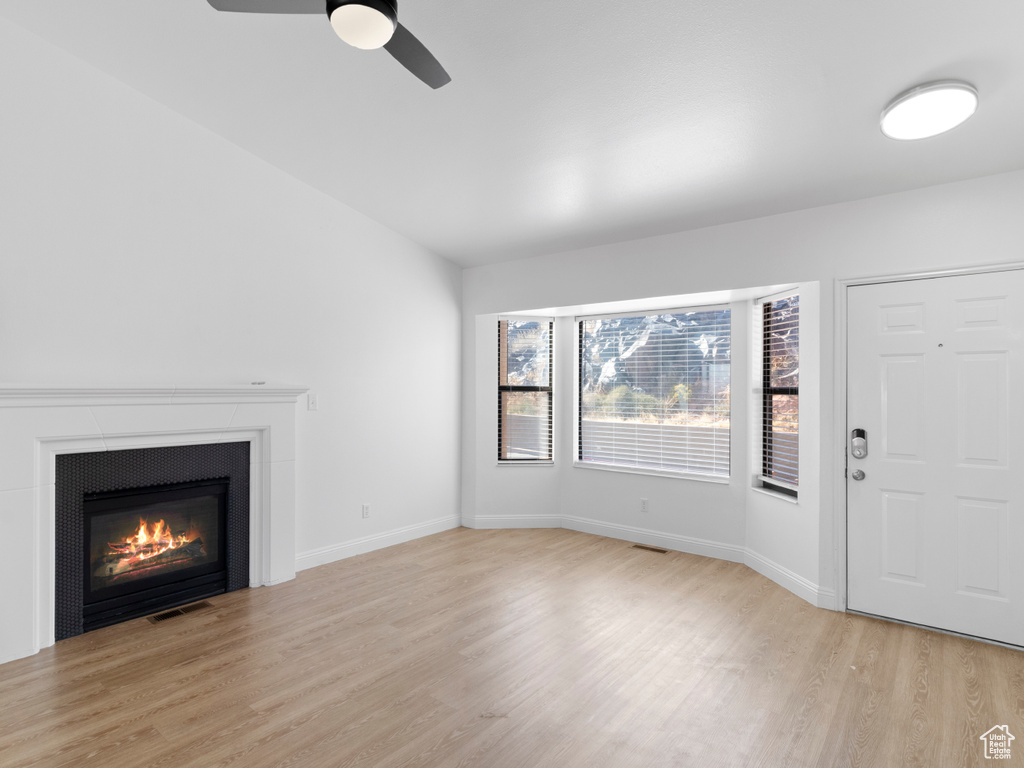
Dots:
pixel 87 482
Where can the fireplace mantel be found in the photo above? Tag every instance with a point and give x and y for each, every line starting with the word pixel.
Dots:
pixel 39 423
pixel 22 396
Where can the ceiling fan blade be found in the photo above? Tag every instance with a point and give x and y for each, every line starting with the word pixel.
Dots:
pixel 270 6
pixel 412 55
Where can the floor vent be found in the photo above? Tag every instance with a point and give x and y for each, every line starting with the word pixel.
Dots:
pixel 156 619
pixel 659 550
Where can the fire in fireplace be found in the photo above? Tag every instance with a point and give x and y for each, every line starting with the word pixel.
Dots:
pixel 147 548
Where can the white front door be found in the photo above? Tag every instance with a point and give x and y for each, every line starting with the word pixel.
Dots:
pixel 935 527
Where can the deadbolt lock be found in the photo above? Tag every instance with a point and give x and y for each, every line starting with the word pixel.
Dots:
pixel 859 444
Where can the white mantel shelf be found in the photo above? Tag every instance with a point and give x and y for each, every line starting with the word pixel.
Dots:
pixel 25 395
pixel 39 423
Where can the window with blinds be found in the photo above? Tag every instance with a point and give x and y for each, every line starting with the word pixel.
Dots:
pixel 524 389
pixel 780 380
pixel 654 391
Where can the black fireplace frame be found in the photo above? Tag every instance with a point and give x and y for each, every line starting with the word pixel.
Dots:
pixel 81 474
pixel 110 605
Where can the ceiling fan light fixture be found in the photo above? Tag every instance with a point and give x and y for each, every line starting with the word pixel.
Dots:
pixel 929 109
pixel 366 24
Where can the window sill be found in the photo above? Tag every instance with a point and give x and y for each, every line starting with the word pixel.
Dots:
pixel 718 480
pixel 527 463
pixel 775 494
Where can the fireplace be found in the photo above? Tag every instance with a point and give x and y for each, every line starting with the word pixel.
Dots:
pixel 142 530
pixel 146 548
pixel 42 485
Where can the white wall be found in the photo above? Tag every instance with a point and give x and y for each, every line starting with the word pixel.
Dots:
pixel 782 538
pixel 138 247
pixel 943 227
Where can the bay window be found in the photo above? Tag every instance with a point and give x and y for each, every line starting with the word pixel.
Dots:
pixel 654 392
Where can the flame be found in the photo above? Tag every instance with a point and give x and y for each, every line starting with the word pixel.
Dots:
pixel 147 542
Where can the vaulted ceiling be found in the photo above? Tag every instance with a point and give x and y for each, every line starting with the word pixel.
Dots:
pixel 571 123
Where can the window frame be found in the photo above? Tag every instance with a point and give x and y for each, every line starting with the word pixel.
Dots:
pixel 654 311
pixel 766 481
pixel 549 389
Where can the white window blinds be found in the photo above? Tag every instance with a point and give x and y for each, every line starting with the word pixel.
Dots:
pixel 524 389
pixel 654 391
pixel 780 386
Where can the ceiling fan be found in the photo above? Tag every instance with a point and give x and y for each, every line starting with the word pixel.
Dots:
pixel 364 24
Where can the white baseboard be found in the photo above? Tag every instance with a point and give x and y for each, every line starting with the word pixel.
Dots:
pixel 798 585
pixel 794 582
pixel 828 599
pixel 516 521
pixel 671 541
pixel 335 552
pixel 22 654
pixel 272 583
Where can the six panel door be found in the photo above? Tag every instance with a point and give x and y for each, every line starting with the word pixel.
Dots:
pixel 935 527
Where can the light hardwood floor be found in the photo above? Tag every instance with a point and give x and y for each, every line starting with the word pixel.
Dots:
pixel 512 648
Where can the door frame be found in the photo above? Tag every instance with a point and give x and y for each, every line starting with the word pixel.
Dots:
pixel 840 419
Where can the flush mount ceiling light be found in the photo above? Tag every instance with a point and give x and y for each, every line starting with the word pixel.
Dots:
pixel 929 109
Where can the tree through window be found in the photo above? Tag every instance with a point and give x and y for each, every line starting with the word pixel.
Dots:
pixel 524 389
pixel 780 386
pixel 655 391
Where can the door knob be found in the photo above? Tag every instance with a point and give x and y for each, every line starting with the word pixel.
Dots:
pixel 858 474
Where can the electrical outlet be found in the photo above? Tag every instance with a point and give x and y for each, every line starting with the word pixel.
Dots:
pixel 312 401
pixel 643 506
pixel 366 510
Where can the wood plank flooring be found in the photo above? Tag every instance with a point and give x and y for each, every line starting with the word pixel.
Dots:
pixel 504 649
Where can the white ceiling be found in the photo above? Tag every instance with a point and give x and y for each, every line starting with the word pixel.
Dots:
pixel 571 123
